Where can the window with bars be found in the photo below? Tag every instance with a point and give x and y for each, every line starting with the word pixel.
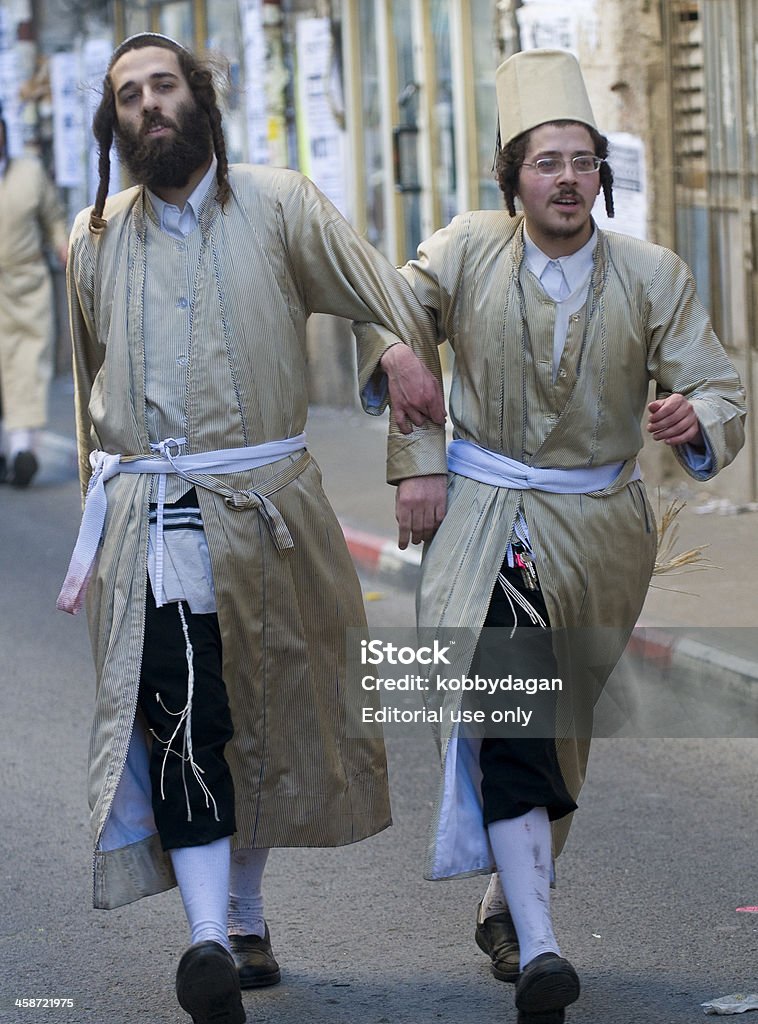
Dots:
pixel 688 93
pixel 712 60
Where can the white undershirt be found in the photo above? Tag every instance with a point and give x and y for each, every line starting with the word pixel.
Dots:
pixel 187 571
pixel 179 223
pixel 566 281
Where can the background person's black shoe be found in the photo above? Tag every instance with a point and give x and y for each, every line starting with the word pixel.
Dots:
pixel 3 469
pixel 24 468
pixel 255 960
pixel 548 982
pixel 207 985
pixel 496 936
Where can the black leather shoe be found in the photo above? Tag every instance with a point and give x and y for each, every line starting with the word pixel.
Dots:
pixel 547 983
pixel 207 985
pixel 255 960
pixel 496 936
pixel 24 468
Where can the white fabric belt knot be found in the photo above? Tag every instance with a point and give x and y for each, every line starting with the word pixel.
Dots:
pixel 197 469
pixel 488 467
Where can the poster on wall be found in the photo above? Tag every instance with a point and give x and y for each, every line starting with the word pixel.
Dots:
pixel 321 138
pixel 68 120
pixel 254 45
pixel 626 155
pixel 558 26
pixel 10 83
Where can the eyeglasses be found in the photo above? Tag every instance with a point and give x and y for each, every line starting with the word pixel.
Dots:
pixel 552 166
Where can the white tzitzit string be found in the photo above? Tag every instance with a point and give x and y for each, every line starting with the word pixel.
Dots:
pixel 513 595
pixel 185 719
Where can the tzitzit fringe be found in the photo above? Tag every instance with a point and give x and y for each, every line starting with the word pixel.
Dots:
pixel 185 719
pixel 514 595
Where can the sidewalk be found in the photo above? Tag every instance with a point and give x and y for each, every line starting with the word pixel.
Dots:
pixel 703 621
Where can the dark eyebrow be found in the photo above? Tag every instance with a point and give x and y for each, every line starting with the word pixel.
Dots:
pixel 557 152
pixel 155 77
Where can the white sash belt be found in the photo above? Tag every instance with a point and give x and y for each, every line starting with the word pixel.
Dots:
pixel 198 470
pixel 471 460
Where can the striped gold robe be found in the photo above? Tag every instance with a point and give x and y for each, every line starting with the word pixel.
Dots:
pixel 304 773
pixel 594 552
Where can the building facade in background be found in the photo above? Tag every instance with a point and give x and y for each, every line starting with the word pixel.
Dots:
pixel 389 106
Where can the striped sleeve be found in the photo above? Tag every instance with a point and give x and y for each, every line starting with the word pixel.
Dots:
pixel 685 357
pixel 88 354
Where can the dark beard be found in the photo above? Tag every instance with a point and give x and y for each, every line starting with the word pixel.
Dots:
pixel 165 162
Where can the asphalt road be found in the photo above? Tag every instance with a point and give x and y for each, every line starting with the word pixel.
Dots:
pixel 661 855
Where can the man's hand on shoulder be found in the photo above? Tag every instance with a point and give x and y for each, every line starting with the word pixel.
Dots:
pixel 415 393
pixel 420 504
pixel 673 421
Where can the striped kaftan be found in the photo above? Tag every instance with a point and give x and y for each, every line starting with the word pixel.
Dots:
pixel 594 552
pixel 305 774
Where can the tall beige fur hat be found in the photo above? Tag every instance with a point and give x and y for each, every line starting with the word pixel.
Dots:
pixel 537 86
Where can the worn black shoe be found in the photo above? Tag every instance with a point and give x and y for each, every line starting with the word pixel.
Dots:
pixel 496 936
pixel 207 985
pixel 546 984
pixel 255 960
pixel 3 469
pixel 25 466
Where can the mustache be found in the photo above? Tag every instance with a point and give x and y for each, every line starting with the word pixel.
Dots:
pixel 153 120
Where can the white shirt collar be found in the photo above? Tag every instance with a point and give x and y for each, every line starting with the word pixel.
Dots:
pixel 179 223
pixel 575 267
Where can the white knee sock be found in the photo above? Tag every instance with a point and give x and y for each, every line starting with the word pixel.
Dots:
pixel 20 441
pixel 245 896
pixel 493 901
pixel 202 873
pixel 523 855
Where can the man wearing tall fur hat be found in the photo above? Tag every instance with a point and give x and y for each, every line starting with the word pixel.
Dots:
pixel 219 583
pixel 558 329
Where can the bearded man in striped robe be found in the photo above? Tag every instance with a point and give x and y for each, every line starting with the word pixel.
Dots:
pixel 219 586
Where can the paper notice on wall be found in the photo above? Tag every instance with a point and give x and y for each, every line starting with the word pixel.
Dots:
pixel 254 44
pixel 95 56
pixel 5 28
pixel 322 140
pixel 68 120
pixel 558 26
pixel 10 82
pixel 627 159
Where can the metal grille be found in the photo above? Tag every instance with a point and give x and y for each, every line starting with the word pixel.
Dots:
pixel 712 67
pixel 712 56
pixel 688 93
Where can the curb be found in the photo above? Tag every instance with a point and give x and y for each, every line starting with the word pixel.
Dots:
pixel 702 667
pixel 383 558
